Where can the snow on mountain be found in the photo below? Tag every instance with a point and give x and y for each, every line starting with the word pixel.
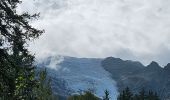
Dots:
pixel 81 74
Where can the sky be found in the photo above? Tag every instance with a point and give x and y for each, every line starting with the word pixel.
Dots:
pixel 129 29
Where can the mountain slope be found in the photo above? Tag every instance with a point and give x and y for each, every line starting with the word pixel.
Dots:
pixel 137 76
pixel 79 74
pixel 74 75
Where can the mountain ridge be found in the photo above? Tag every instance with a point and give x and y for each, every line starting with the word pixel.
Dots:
pixel 103 73
pixel 150 77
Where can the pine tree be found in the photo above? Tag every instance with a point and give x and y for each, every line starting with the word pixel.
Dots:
pixel 17 79
pixel 44 90
pixel 106 97
pixel 136 97
pixel 126 95
pixel 142 94
pixel 156 97
pixel 152 96
pixel 86 96
pixel 120 97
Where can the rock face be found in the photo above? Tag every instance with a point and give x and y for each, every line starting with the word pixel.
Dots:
pixel 118 67
pixel 167 68
pixel 137 76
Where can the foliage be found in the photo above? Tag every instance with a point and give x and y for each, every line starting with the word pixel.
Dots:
pixel 142 95
pixel 106 97
pixel 17 72
pixel 126 95
pixel 44 91
pixel 86 96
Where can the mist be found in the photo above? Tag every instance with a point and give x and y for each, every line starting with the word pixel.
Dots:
pixel 129 29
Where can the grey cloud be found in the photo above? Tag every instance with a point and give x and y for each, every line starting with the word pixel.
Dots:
pixel 131 29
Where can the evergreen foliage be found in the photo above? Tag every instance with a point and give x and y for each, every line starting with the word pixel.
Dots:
pixel 126 95
pixel 106 97
pixel 142 95
pixel 17 72
pixel 44 91
pixel 86 96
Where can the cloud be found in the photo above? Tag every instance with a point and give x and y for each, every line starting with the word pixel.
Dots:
pixel 130 29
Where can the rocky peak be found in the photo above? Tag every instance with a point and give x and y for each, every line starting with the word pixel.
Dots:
pixel 154 66
pixel 167 67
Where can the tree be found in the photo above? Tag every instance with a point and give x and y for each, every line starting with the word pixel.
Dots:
pixel 152 96
pixel 120 97
pixel 142 94
pixel 136 97
pixel 126 95
pixel 44 90
pixel 86 96
pixel 106 97
pixel 17 78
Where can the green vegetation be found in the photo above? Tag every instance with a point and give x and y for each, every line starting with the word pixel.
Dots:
pixel 86 96
pixel 142 95
pixel 124 95
pixel 17 72
pixel 44 91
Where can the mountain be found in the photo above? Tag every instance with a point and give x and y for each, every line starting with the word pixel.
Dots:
pixel 74 75
pixel 153 67
pixel 119 67
pixel 137 76
pixel 167 68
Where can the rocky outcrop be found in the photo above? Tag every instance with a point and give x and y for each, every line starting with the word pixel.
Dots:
pixel 137 76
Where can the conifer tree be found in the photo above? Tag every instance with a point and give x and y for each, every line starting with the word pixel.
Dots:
pixel 44 90
pixel 136 97
pixel 17 79
pixel 142 94
pixel 152 96
pixel 126 95
pixel 86 96
pixel 106 97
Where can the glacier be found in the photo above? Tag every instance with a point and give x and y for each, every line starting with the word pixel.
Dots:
pixel 80 74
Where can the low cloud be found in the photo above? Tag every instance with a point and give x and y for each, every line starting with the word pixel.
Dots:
pixel 130 29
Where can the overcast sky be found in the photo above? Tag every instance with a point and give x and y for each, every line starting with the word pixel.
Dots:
pixel 129 29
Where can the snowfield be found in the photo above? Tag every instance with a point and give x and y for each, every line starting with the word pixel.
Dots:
pixel 81 74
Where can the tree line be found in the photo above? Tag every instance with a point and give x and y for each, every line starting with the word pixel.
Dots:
pixel 126 94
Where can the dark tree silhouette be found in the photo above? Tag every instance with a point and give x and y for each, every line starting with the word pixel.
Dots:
pixel 106 97
pixel 86 96
pixel 126 95
pixel 17 79
pixel 142 95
